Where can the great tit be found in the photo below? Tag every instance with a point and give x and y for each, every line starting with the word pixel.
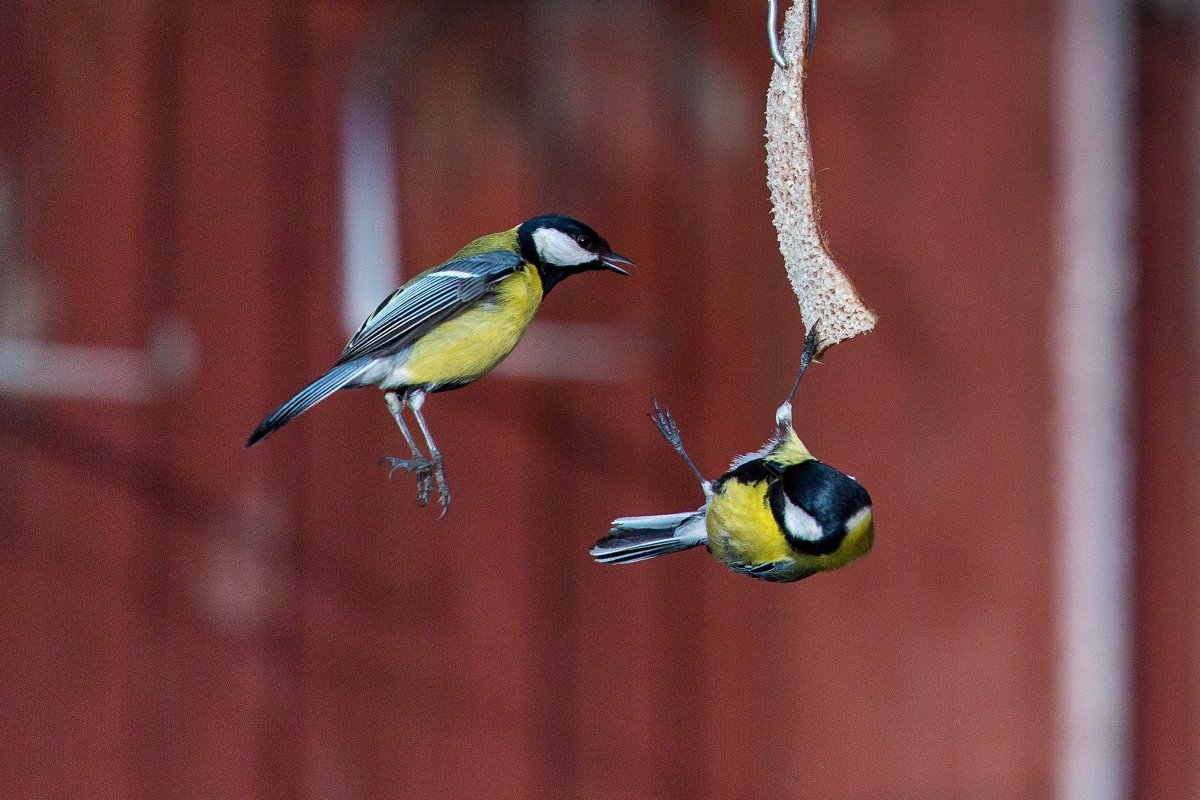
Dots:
pixel 452 324
pixel 778 514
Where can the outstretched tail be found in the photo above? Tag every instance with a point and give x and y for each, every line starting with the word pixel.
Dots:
pixel 638 538
pixel 306 398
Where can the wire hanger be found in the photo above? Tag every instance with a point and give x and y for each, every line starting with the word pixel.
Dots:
pixel 773 32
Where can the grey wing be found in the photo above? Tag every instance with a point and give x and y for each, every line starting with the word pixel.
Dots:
pixel 430 298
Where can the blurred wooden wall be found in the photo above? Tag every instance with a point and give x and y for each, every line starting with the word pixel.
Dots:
pixel 185 619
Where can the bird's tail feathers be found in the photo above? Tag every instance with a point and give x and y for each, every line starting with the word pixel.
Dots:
pixel 306 398
pixel 638 538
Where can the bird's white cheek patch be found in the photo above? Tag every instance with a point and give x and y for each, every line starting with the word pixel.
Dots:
pixel 800 523
pixel 559 249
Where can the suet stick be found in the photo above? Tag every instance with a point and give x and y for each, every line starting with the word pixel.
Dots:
pixel 825 292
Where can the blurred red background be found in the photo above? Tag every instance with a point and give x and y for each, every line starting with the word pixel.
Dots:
pixel 186 619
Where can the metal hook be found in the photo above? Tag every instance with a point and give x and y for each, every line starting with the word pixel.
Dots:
pixel 773 33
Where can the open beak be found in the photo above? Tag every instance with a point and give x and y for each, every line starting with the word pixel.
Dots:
pixel 610 262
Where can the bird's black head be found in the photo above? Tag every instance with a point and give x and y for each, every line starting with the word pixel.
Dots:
pixel 816 505
pixel 560 246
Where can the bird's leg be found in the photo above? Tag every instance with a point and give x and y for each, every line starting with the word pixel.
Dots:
pixel 670 431
pixel 415 401
pixel 812 346
pixel 420 465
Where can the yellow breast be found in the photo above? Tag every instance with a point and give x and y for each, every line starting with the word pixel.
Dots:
pixel 469 345
pixel 741 527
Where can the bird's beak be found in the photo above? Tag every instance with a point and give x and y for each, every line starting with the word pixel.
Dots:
pixel 611 261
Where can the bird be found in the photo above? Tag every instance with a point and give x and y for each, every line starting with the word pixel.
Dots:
pixel 778 514
pixel 451 325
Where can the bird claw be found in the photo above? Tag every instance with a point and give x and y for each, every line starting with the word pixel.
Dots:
pixel 417 465
pixel 665 423
pixel 422 468
pixel 424 485
pixel 428 472
pixel 443 488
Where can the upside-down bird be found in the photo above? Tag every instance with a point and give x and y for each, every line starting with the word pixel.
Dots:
pixel 778 514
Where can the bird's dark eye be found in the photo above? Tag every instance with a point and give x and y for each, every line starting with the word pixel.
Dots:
pixel 584 241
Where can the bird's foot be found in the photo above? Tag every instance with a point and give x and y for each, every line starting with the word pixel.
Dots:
pixel 666 425
pixel 424 470
pixel 443 486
